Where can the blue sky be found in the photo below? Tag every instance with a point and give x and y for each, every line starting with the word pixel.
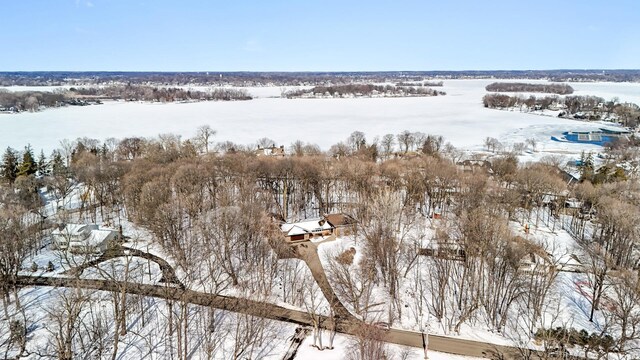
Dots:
pixel 310 35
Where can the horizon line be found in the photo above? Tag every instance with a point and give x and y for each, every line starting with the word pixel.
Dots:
pixel 313 71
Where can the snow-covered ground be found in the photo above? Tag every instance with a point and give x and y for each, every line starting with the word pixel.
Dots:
pixel 566 305
pixel 147 336
pixel 459 117
pixel 343 343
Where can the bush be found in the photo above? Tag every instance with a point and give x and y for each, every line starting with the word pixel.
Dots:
pixel 17 332
pixel 573 337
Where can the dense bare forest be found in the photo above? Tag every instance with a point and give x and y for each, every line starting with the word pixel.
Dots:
pixel 560 89
pixel 215 210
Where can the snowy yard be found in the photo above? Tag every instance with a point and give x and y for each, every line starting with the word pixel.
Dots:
pixel 568 304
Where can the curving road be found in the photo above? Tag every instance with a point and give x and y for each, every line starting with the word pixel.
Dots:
pixel 274 312
pixel 168 273
pixel 346 322
pixel 308 252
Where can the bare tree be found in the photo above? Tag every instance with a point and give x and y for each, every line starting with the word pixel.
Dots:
pixel 492 144
pixel 356 140
pixel 67 150
pixel 368 344
pixel 16 244
pixel 204 135
pixel 265 142
pixel 405 138
pixel 66 318
pixel 312 300
pixel 353 284
pixel 625 307
pixel 387 142
pixel 419 139
pixel 597 265
pixel 532 142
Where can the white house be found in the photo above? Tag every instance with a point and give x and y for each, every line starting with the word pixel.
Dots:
pixel 82 237
pixel 307 229
pixel 338 224
pixel 271 151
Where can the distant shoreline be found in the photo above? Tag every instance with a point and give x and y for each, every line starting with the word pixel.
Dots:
pixel 310 78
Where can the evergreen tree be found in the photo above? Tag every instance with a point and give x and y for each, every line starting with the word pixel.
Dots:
pixel 104 151
pixel 43 165
pixel 586 166
pixel 28 166
pixel 58 166
pixel 9 168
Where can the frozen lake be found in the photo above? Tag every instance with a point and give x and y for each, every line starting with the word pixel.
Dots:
pixel 459 117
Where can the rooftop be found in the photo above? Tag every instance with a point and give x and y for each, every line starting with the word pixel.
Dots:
pixel 306 226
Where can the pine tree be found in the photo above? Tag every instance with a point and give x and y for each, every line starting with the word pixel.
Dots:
pixel 58 166
pixel 586 167
pixel 104 151
pixel 28 166
pixel 9 168
pixel 43 165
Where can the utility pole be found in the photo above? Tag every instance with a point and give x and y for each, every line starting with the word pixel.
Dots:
pixel 423 325
pixel 425 344
pixel 284 199
pixel 425 334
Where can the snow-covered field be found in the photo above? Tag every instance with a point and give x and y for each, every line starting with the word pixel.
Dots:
pixel 459 117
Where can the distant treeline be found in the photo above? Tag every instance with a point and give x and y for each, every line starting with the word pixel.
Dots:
pixel 577 107
pixel 160 94
pixel 363 90
pixel 29 100
pixel 237 79
pixel 427 83
pixel 35 100
pixel 59 78
pixel 561 89
pixel 572 104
